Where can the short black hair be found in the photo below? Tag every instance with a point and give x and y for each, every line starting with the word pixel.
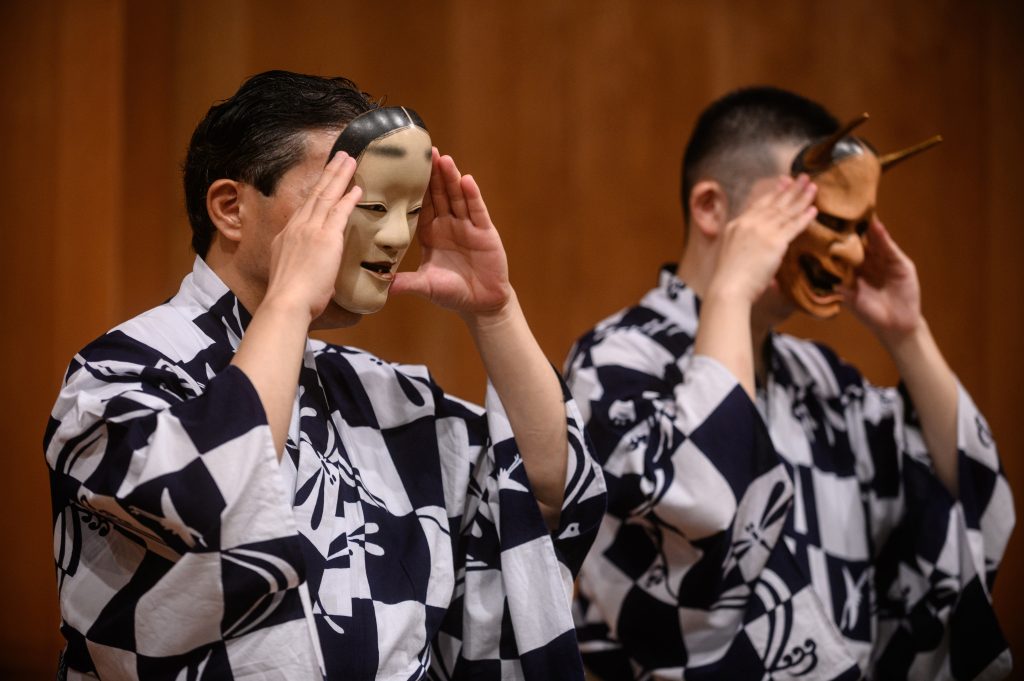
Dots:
pixel 258 133
pixel 734 137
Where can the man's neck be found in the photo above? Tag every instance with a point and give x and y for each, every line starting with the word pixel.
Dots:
pixel 248 294
pixel 696 270
pixel 761 325
pixel 251 294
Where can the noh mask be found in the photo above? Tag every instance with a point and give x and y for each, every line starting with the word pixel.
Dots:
pixel 826 255
pixel 393 159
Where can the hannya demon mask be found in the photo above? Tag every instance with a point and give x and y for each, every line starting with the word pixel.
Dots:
pixel 827 254
pixel 392 149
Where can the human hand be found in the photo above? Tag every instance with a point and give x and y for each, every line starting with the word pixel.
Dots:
pixel 753 243
pixel 463 265
pixel 306 254
pixel 886 294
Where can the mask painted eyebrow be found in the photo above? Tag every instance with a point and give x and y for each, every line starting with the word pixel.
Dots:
pixel 840 225
pixel 387 150
pixel 831 221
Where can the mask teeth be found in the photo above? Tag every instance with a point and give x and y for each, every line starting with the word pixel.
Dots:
pixel 895 157
pixel 818 156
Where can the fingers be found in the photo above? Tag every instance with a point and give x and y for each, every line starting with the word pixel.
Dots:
pixel 438 195
pixel 451 193
pixel 795 197
pixel 427 212
pixel 877 233
pixel 337 216
pixel 790 197
pixel 410 282
pixel 305 211
pixel 328 192
pixel 882 243
pixel 475 205
pixel 794 204
pixel 783 182
pixel 798 222
pixel 453 188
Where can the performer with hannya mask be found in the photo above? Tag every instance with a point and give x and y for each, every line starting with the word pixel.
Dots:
pixel 235 500
pixel 771 513
pixel 826 257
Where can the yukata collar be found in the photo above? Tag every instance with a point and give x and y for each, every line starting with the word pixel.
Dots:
pixel 686 302
pixel 674 300
pixel 670 284
pixel 211 293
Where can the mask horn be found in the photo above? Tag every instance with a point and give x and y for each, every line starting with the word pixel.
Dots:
pixel 895 157
pixel 818 156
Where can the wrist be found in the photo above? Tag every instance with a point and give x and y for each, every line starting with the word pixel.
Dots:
pixel 494 319
pixel 904 338
pixel 907 343
pixel 285 310
pixel 721 294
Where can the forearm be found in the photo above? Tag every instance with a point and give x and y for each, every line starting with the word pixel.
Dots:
pixel 270 354
pixel 532 397
pixel 724 335
pixel 932 387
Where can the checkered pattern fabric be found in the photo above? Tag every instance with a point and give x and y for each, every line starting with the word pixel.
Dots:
pixel 804 536
pixel 397 539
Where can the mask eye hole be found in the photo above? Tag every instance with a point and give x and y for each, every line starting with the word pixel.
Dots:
pixel 416 211
pixel 862 227
pixel 373 207
pixel 832 222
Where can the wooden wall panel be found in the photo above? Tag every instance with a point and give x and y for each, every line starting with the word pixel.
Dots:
pixel 27 120
pixel 572 115
pixel 998 342
pixel 61 279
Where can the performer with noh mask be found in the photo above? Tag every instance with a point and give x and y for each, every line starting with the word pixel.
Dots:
pixel 771 513
pixel 233 500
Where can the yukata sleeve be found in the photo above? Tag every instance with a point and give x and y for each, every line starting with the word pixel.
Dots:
pixel 937 556
pixel 697 499
pixel 180 466
pixel 172 527
pixel 510 617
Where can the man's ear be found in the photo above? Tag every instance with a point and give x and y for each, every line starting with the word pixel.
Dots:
pixel 223 203
pixel 709 208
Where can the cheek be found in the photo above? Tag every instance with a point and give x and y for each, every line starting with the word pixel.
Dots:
pixel 358 235
pixel 816 239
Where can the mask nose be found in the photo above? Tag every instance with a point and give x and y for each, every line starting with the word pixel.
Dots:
pixel 849 250
pixel 394 234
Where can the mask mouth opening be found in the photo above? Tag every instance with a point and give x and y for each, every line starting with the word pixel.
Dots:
pixel 378 267
pixel 821 280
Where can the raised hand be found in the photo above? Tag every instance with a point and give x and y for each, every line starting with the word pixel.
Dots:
pixel 753 243
pixel 463 265
pixel 304 261
pixel 886 297
pixel 751 250
pixel 306 254
pixel 886 294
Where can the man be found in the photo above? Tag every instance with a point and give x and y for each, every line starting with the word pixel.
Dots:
pixel 234 500
pixel 772 514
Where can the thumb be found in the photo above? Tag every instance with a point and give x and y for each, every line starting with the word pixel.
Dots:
pixel 411 282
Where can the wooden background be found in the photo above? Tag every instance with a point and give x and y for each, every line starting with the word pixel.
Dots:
pixel 571 114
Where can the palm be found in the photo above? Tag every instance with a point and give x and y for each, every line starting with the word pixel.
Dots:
pixel 463 267
pixel 886 294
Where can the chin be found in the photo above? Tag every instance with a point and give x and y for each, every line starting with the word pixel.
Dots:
pixel 822 313
pixel 774 306
pixel 335 316
pixel 360 307
pixel 817 309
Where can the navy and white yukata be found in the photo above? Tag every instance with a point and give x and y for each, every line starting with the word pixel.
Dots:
pixel 397 538
pixel 802 537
